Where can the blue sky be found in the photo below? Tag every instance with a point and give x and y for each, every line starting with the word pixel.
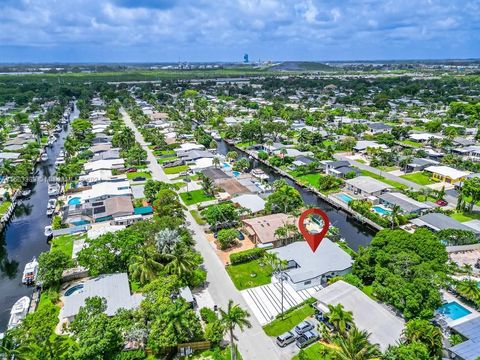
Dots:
pixel 223 30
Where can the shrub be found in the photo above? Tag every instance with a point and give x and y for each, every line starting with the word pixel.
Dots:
pixel 263 155
pixel 208 315
pixel 247 255
pixel 227 238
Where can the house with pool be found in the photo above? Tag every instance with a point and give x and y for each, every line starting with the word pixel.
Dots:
pixel 406 204
pixel 100 191
pixel 366 186
pixel 114 288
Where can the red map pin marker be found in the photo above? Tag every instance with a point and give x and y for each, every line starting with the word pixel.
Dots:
pixel 313 239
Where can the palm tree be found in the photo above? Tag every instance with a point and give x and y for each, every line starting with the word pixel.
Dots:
pixel 6 167
pixel 232 156
pixel 143 267
pixel 355 346
pixel 394 216
pixel 216 161
pixel 422 331
pixel 339 317
pixel 233 317
pixel 207 185
pixel 469 289
pixel 166 240
pixel 181 262
pixel 178 322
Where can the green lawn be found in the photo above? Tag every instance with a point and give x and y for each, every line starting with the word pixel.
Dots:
pixel 198 218
pixel 4 207
pixel 315 352
pixel 133 175
pixel 64 243
pixel 393 183
pixel 49 296
pixel 195 196
pixel 179 185
pixel 161 160
pixel 420 178
pixel 241 274
pixel 462 217
pixel 411 143
pixel 279 326
pixel 176 169
pixel 215 353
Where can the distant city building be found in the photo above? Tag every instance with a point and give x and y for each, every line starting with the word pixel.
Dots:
pixel 245 58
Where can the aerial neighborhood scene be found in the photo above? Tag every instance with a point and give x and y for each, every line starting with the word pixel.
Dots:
pixel 164 195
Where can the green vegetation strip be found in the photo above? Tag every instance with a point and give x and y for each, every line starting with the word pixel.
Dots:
pixel 195 196
pixel 393 183
pixel 4 207
pixel 242 278
pixel 290 319
pixel 198 218
pixel 64 243
pixel 418 178
pixel 176 169
pixel 133 175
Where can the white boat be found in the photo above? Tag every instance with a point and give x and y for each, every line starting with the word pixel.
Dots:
pixel 48 231
pixel 18 312
pixel 53 189
pixel 26 192
pixel 216 135
pixel 30 272
pixel 51 203
pixel 44 157
pixel 61 154
pixel 259 174
pixel 50 211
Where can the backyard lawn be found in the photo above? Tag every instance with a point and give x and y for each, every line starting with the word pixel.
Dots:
pixel 133 175
pixel 411 143
pixel 315 352
pixel 176 169
pixel 462 217
pixel 195 196
pixel 420 178
pixel 4 207
pixel 64 243
pixel 393 183
pixel 161 160
pixel 292 318
pixel 241 274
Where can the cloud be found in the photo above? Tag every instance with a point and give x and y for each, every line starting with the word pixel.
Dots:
pixel 207 30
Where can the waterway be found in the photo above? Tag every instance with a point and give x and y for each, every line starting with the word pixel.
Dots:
pixel 355 233
pixel 23 237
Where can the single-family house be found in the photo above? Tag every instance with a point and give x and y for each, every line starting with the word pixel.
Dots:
pixel 114 288
pixel 252 202
pixel 406 204
pixel 363 145
pixel 384 327
pixel 100 191
pixel 438 221
pixel 262 229
pixel 446 173
pixel 419 164
pixel 366 186
pixel 104 165
pixel 98 211
pixel 340 168
pixel 469 348
pixel 375 128
pixel 302 160
pixel 306 269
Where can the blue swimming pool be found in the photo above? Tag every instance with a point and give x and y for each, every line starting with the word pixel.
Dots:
pixel 453 310
pixel 73 289
pixel 381 210
pixel 345 198
pixel 226 165
pixel 236 173
pixel 74 201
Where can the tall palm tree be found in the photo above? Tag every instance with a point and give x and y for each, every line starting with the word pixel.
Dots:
pixel 143 267
pixel 207 185
pixel 180 262
pixel 233 317
pixel 394 216
pixel 355 346
pixel 469 289
pixel 216 162
pixel 422 331
pixel 339 317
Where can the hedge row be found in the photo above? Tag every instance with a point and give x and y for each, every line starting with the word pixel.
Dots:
pixel 247 255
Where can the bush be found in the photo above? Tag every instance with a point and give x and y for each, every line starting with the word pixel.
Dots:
pixel 208 315
pixel 130 355
pixel 247 255
pixel 227 238
pixel 263 155
pixel 214 332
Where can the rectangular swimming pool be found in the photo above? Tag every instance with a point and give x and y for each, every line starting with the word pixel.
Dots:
pixel 453 310
pixel 381 210
pixel 344 197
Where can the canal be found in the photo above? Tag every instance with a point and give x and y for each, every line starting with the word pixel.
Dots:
pixel 355 233
pixel 23 237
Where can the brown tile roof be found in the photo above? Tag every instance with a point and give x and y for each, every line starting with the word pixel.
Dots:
pixel 265 226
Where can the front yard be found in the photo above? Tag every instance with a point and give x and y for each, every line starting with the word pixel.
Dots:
pixel 175 169
pixel 133 175
pixel 195 197
pixel 465 216
pixel 290 319
pixel 420 178
pixel 242 278
pixel 393 183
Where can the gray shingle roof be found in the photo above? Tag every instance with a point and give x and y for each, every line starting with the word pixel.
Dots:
pixel 437 221
pixel 406 204
pixel 470 349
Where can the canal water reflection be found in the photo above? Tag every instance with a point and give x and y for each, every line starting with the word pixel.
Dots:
pixel 23 237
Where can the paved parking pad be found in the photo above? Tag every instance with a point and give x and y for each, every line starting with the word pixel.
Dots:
pixel 265 301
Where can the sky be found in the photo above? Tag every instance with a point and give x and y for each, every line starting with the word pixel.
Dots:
pixel 224 30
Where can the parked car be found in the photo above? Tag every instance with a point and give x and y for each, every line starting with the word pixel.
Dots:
pixel 441 202
pixel 303 327
pixel 286 339
pixel 130 170
pixel 307 338
pixel 240 236
pixel 139 178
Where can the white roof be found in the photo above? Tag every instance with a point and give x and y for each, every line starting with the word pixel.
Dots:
pixel 385 327
pixel 202 163
pixel 103 164
pixel 328 257
pixel 367 184
pixel 424 136
pixel 447 171
pixel 114 288
pixel 104 189
pixel 97 175
pixel 9 155
pixel 364 144
pixel 191 146
pixel 250 201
